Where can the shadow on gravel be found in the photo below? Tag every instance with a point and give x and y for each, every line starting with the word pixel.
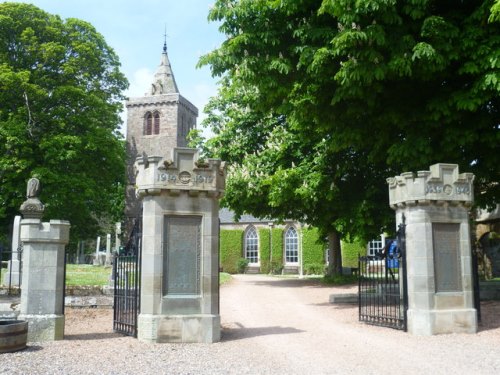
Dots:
pixel 93 336
pixel 297 283
pixel 240 333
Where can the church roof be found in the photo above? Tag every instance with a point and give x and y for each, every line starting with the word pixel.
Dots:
pixel 164 80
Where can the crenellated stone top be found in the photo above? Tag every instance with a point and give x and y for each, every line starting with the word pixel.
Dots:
pixel 442 183
pixel 184 172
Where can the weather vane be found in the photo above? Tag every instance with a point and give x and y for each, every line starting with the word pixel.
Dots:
pixel 165 39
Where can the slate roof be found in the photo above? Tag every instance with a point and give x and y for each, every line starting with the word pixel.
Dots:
pixel 226 216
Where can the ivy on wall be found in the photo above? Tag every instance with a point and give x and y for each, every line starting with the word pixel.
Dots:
pixel 231 249
pixel 351 251
pixel 313 251
pixel 264 235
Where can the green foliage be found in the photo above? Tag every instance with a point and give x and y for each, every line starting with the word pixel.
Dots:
pixel 277 250
pixel 231 249
pixel 224 278
pixel 264 238
pixel 313 254
pixel 351 251
pixel 314 269
pixel 242 265
pixel 340 279
pixel 60 100
pixel 321 101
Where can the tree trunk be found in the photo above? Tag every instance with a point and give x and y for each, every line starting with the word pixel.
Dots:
pixel 334 254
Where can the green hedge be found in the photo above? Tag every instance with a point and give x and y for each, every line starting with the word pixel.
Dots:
pixel 351 251
pixel 313 251
pixel 231 249
pixel 264 249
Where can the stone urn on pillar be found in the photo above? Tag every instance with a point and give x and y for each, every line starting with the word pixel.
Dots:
pixel 436 206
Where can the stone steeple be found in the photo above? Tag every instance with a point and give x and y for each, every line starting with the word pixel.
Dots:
pixel 157 122
pixel 164 80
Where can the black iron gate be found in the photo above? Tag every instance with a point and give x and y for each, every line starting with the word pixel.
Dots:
pixel 127 276
pixel 383 294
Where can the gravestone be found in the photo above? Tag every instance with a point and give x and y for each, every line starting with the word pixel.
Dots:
pixel 42 290
pixel 436 206
pixel 108 250
pixel 13 274
pixel 180 252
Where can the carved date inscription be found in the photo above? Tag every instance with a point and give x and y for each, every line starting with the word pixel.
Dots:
pixel 445 238
pixel 182 255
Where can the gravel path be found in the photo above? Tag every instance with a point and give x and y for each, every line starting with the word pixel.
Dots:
pixel 270 326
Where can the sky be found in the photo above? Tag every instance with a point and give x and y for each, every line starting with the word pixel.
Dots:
pixel 135 30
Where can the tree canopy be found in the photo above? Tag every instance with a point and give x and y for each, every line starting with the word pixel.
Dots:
pixel 60 100
pixel 321 101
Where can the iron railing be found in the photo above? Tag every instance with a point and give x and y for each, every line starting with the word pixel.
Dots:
pixel 127 276
pixel 383 294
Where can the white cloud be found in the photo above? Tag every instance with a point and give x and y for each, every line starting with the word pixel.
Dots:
pixel 140 82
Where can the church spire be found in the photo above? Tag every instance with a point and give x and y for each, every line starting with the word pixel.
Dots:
pixel 164 81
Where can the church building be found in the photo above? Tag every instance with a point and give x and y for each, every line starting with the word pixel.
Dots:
pixel 156 123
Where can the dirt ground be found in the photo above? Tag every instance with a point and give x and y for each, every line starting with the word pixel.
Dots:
pixel 269 326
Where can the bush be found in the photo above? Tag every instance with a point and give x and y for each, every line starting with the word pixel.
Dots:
pixel 340 279
pixel 314 269
pixel 242 265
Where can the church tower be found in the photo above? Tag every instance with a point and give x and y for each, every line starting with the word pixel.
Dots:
pixel 156 123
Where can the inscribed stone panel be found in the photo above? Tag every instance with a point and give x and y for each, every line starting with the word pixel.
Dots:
pixel 182 255
pixel 446 241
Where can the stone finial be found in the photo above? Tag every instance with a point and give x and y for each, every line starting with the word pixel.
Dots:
pixel 32 208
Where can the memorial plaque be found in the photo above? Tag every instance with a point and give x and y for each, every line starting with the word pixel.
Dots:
pixel 182 255
pixel 445 239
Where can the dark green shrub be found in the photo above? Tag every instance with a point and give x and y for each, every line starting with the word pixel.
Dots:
pixel 242 265
pixel 314 269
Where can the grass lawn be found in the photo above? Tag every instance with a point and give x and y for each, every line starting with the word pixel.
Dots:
pixel 87 274
pixel 224 277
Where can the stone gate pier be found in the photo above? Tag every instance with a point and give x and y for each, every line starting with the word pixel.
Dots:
pixel 435 205
pixel 180 247
pixel 42 290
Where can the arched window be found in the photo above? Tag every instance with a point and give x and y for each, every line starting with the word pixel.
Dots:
pixel 251 245
pixel 148 124
pixel 291 246
pixel 157 123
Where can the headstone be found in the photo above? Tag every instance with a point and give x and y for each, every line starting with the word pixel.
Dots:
pixel 436 206
pixel 180 252
pixel 97 260
pixel 108 250
pixel 118 232
pixel 13 274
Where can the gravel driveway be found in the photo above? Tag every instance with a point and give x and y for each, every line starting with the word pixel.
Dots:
pixel 270 326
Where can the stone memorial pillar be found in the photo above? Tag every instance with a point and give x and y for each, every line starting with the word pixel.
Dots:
pixel 180 252
pixel 42 287
pixel 436 204
pixel 12 277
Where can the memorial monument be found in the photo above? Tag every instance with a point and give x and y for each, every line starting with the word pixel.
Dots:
pixel 180 247
pixel 436 206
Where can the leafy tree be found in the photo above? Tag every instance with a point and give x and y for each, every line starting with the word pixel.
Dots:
pixel 320 101
pixel 60 99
